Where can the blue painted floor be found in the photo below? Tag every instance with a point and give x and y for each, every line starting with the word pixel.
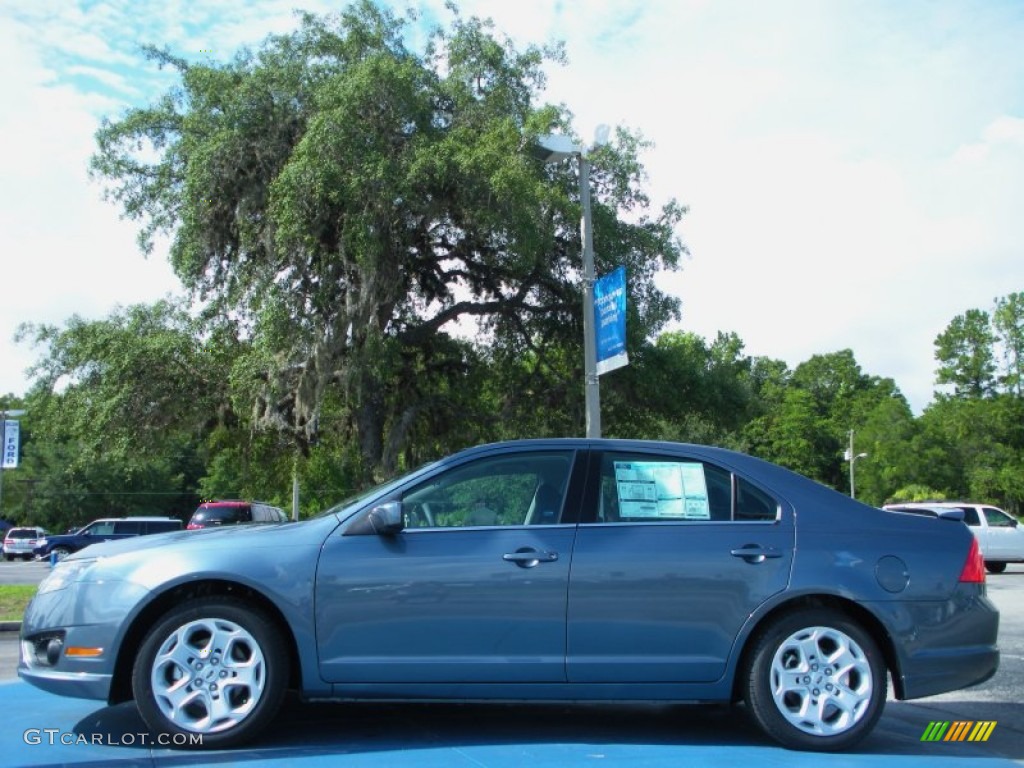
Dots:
pixel 40 729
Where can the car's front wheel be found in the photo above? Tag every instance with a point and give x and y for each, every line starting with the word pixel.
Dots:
pixel 61 552
pixel 995 566
pixel 816 681
pixel 211 674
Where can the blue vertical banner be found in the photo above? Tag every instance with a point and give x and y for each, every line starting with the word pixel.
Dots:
pixel 12 434
pixel 610 321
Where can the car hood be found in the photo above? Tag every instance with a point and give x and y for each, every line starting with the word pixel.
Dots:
pixel 255 555
pixel 231 536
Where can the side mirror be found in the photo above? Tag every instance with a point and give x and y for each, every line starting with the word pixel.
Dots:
pixel 387 519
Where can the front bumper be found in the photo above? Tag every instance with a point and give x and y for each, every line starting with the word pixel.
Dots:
pixel 88 619
pixel 79 685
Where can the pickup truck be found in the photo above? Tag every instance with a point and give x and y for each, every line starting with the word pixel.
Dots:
pixel 1000 535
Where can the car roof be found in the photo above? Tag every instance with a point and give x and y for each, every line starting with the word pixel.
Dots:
pixel 142 518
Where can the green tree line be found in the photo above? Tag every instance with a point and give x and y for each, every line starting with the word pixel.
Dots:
pixel 378 271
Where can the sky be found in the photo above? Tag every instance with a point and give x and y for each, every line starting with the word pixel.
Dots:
pixel 853 169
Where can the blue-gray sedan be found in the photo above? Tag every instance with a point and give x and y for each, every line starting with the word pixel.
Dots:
pixel 546 570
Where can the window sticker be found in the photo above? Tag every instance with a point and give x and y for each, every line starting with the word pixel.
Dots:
pixel 674 490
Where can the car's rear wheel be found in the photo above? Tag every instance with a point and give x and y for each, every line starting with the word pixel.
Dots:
pixel 815 680
pixel 211 674
pixel 995 566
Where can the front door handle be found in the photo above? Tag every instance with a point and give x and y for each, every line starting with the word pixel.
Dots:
pixel 527 557
pixel 755 553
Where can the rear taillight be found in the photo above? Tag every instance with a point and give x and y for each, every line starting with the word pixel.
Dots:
pixel 974 569
pixel 192 527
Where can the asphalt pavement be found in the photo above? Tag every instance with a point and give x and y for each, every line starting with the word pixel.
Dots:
pixel 41 729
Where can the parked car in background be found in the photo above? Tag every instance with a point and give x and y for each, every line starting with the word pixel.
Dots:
pixel 233 512
pixel 1000 535
pixel 22 542
pixel 611 570
pixel 104 530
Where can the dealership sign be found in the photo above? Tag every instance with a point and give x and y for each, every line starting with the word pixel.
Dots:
pixel 610 321
pixel 12 433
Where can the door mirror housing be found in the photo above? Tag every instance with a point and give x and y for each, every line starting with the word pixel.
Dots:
pixel 387 518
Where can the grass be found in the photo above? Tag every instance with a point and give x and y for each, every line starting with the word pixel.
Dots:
pixel 13 599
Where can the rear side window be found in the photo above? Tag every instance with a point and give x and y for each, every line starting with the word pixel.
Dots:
pixel 971 516
pixel 264 513
pixel 754 504
pixel 162 526
pixel 128 528
pixel 652 489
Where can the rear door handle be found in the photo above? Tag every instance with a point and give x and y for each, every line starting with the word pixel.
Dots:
pixel 754 553
pixel 528 557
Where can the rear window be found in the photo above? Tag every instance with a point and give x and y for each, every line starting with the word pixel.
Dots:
pixel 225 515
pixel 22 533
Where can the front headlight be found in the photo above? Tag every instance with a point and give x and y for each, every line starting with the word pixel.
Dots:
pixel 64 573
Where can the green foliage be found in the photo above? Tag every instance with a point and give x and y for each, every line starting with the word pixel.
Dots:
pixel 347 201
pixel 916 493
pixel 965 355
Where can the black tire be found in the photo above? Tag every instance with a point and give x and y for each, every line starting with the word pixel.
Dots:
pixel 239 668
pixel 61 552
pixel 800 696
pixel 8 558
pixel 995 566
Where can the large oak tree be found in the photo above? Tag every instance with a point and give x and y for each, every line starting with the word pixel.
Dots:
pixel 353 206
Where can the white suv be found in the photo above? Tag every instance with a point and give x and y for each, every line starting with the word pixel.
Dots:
pixel 21 542
pixel 1000 535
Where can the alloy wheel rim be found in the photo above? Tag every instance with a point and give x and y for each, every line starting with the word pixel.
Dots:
pixel 821 681
pixel 208 675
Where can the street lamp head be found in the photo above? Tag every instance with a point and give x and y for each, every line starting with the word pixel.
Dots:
pixel 554 148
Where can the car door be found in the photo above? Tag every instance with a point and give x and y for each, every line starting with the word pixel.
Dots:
pixel 446 600
pixel 672 556
pixel 1005 537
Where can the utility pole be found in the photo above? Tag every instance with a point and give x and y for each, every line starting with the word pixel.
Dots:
pixel 852 457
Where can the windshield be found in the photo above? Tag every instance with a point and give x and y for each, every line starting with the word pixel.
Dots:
pixel 381 489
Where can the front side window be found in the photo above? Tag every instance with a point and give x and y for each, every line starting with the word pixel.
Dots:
pixel 997 518
pixel 105 528
pixel 506 490
pixel 639 488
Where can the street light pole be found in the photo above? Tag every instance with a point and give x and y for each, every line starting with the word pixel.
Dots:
pixel 851 457
pixel 592 390
pixel 553 149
